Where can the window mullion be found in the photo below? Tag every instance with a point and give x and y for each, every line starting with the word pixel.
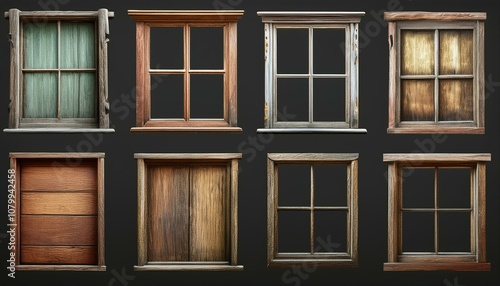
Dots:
pixel 187 75
pixel 59 70
pixel 436 212
pixel 436 74
pixel 311 71
pixel 312 209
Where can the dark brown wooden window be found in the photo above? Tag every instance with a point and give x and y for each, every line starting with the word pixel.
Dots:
pixel 436 79
pixel 58 65
pixel 187 211
pixel 186 70
pixel 60 211
pixel 312 209
pixel 437 212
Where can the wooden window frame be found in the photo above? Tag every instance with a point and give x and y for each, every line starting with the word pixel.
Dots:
pixel 143 159
pixel 70 157
pixel 348 259
pixel 68 125
pixel 311 20
pixel 476 260
pixel 145 19
pixel 435 21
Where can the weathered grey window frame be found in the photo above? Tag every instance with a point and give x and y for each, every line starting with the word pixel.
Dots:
pixel 71 157
pixel 348 259
pixel 70 125
pixel 312 20
pixel 474 261
pixel 143 159
pixel 435 21
pixel 145 19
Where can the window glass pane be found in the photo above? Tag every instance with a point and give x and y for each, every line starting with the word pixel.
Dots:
pixel 454 232
pixel 330 231
pixel 418 232
pixel 294 231
pixel 456 100
pixel 294 185
pixel 456 52
pixel 77 45
pixel 166 47
pixel 454 188
pixel 207 47
pixel 293 98
pixel 167 96
pixel 417 52
pixel 293 51
pixel 329 99
pixel 207 96
pixel 330 185
pixel 417 100
pixel 329 51
pixel 78 95
pixel 418 188
pixel 40 95
pixel 40 45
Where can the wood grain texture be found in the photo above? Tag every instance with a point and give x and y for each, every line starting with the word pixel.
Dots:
pixel 58 175
pixel 233 209
pixel 100 214
pixel 393 40
pixel 438 157
pixel 417 100
pixel 15 68
pixel 456 52
pixel 188 156
pixel 456 100
pixel 437 129
pixel 480 205
pixel 140 73
pixel 62 15
pixel 434 16
pixel 187 129
pixel 102 82
pixel 208 214
pixel 168 208
pixel 459 267
pixel 176 16
pixel 316 157
pixel 316 17
pixel 84 255
pixel 417 52
pixel 58 230
pixel 42 155
pixel 61 268
pixel 142 213
pixel 194 267
pixel 55 203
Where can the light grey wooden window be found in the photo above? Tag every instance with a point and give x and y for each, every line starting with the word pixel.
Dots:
pixel 311 72
pixel 59 71
pixel 436 80
pixel 437 212
pixel 312 209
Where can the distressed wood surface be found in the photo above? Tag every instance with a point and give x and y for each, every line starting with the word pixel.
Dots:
pixel 102 81
pixel 15 68
pixel 56 203
pixel 459 267
pixel 187 129
pixel 75 255
pixel 42 155
pixel 393 40
pixel 438 157
pixel 480 206
pixel 456 52
pixel 417 52
pixel 58 230
pixel 417 100
pixel 434 16
pixel 437 129
pixel 140 50
pixel 188 156
pixel 189 268
pixel 175 16
pixel 310 17
pixel 310 157
pixel 63 15
pixel 100 214
pixel 142 213
pixel 456 100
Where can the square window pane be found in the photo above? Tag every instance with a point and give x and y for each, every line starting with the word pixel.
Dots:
pixel 40 45
pixel 78 92
pixel 293 98
pixel 294 231
pixel 330 185
pixel 207 96
pixel 417 100
pixel 166 47
pixel 329 51
pixel 418 232
pixel 292 51
pixel 330 231
pixel 454 187
pixel 40 95
pixel 456 52
pixel 207 47
pixel 167 96
pixel 418 188
pixel 417 52
pixel 329 99
pixel 454 231
pixel 456 100
pixel 294 185
pixel 77 45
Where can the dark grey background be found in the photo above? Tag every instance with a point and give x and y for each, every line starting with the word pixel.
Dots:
pixel 121 168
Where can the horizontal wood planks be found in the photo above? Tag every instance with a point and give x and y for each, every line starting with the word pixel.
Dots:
pixel 59 255
pixel 58 203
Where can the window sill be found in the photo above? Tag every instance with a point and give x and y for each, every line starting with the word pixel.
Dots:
pixel 459 266
pixel 189 268
pixel 59 130
pixel 436 130
pixel 313 130
pixel 60 268
pixel 187 129
pixel 341 263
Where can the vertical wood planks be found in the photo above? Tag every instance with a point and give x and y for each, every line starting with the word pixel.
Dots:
pixel 103 32
pixel 15 69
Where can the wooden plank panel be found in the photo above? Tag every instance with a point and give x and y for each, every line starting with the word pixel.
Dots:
pixel 438 157
pixel 58 203
pixel 456 100
pixel 417 52
pixel 57 175
pixel 417 100
pixel 456 52
pixel 168 207
pixel 208 214
pixel 79 255
pixel 58 230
